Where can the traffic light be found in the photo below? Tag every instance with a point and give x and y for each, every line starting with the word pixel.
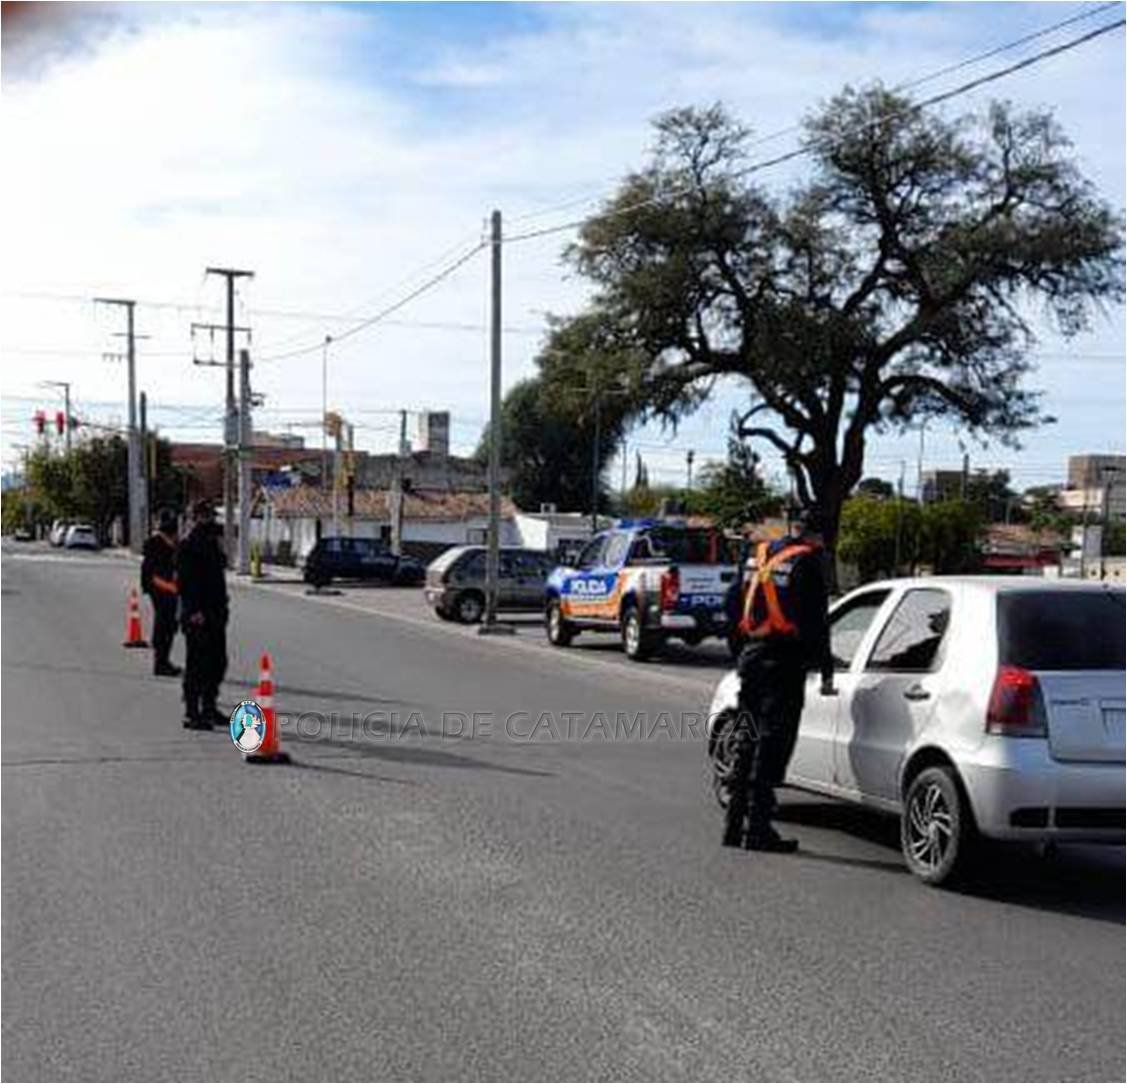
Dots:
pixel 40 422
pixel 60 422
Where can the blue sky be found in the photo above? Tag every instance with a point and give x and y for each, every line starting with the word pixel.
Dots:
pixel 337 149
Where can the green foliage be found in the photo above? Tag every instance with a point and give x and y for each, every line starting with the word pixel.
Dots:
pixel 89 483
pixel 891 537
pixel 893 284
pixel 1043 512
pixel 548 445
pixel 733 492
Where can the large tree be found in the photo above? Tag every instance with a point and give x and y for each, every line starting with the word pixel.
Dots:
pixel 895 282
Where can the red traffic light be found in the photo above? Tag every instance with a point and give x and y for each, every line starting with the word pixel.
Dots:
pixel 40 422
pixel 60 422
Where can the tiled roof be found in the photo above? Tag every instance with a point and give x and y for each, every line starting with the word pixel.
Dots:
pixel 310 501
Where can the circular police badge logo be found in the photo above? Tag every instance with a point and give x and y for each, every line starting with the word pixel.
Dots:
pixel 248 726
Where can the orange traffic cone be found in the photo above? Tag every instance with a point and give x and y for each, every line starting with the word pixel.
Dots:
pixel 270 751
pixel 134 635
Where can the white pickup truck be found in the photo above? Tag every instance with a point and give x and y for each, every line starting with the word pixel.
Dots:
pixel 648 581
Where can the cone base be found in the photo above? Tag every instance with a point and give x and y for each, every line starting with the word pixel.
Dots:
pixel 135 643
pixel 279 757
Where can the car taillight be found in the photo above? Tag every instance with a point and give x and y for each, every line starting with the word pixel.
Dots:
pixel 1017 708
pixel 670 589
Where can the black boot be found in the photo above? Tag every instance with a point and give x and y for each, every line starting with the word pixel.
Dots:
pixel 765 838
pixel 734 823
pixel 193 719
pixel 166 669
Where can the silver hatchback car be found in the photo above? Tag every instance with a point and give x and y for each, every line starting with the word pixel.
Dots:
pixel 967 706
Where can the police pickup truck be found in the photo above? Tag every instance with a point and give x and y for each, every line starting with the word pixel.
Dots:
pixel 648 581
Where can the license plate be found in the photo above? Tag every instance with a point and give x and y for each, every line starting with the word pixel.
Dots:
pixel 1113 723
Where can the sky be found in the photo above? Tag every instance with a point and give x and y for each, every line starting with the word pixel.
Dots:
pixel 346 153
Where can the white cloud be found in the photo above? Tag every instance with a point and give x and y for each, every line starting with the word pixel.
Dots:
pixel 334 150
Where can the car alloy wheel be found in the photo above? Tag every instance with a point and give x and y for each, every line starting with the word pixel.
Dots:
pixel 935 826
pixel 470 608
pixel 559 631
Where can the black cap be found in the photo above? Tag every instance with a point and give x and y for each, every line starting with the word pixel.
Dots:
pixel 810 519
pixel 168 520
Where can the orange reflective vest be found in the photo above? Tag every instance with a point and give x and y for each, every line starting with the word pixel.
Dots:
pixel 764 614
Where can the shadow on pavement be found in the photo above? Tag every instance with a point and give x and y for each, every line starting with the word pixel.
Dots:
pixel 1081 880
pixel 412 753
pixel 343 696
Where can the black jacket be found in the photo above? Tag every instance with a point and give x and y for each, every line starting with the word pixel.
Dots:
pixel 201 566
pixel 158 558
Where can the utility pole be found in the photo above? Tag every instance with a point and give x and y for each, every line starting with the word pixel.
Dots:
pixel 145 518
pixel 325 412
pixel 899 520
pixel 134 451
pixel 920 466
pixel 690 455
pixel 231 425
pixel 493 553
pixel 395 511
pixel 595 464
pixel 964 483
pixel 1107 472
pixel 245 452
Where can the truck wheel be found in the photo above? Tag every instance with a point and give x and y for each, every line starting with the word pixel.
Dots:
pixel 637 642
pixel 936 826
pixel 560 631
pixel 469 607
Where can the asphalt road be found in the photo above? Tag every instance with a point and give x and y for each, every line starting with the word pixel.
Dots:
pixel 404 903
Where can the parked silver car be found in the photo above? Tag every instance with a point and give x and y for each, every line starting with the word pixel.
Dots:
pixel 455 582
pixel 966 705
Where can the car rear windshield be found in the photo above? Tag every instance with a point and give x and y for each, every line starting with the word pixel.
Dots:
pixel 691 546
pixel 1061 630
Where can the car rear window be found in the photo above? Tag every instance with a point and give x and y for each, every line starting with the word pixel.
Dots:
pixel 1061 630
pixel 687 546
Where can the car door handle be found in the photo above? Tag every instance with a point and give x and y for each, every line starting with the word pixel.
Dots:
pixel 916 692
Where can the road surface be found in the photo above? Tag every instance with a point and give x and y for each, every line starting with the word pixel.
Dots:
pixel 410 900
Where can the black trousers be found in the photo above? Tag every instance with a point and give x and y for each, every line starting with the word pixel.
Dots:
pixel 164 626
pixel 205 664
pixel 772 689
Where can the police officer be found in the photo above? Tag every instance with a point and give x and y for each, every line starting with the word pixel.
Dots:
pixel 158 581
pixel 784 621
pixel 201 568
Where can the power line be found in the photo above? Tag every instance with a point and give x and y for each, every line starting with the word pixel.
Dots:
pixel 807 148
pixel 910 84
pixel 430 283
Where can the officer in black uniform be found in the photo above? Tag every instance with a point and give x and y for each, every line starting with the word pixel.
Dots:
pixel 201 569
pixel 158 581
pixel 787 635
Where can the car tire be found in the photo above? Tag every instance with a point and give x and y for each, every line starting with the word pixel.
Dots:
pixel 722 755
pixel 469 607
pixel 443 614
pixel 936 826
pixel 637 642
pixel 559 630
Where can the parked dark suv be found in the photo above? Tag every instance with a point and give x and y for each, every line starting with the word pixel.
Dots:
pixel 455 583
pixel 359 559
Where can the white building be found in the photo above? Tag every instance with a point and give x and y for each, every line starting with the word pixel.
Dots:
pixel 288 521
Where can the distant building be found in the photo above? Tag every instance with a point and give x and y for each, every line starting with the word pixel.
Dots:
pixel 941 485
pixel 290 519
pixel 1094 480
